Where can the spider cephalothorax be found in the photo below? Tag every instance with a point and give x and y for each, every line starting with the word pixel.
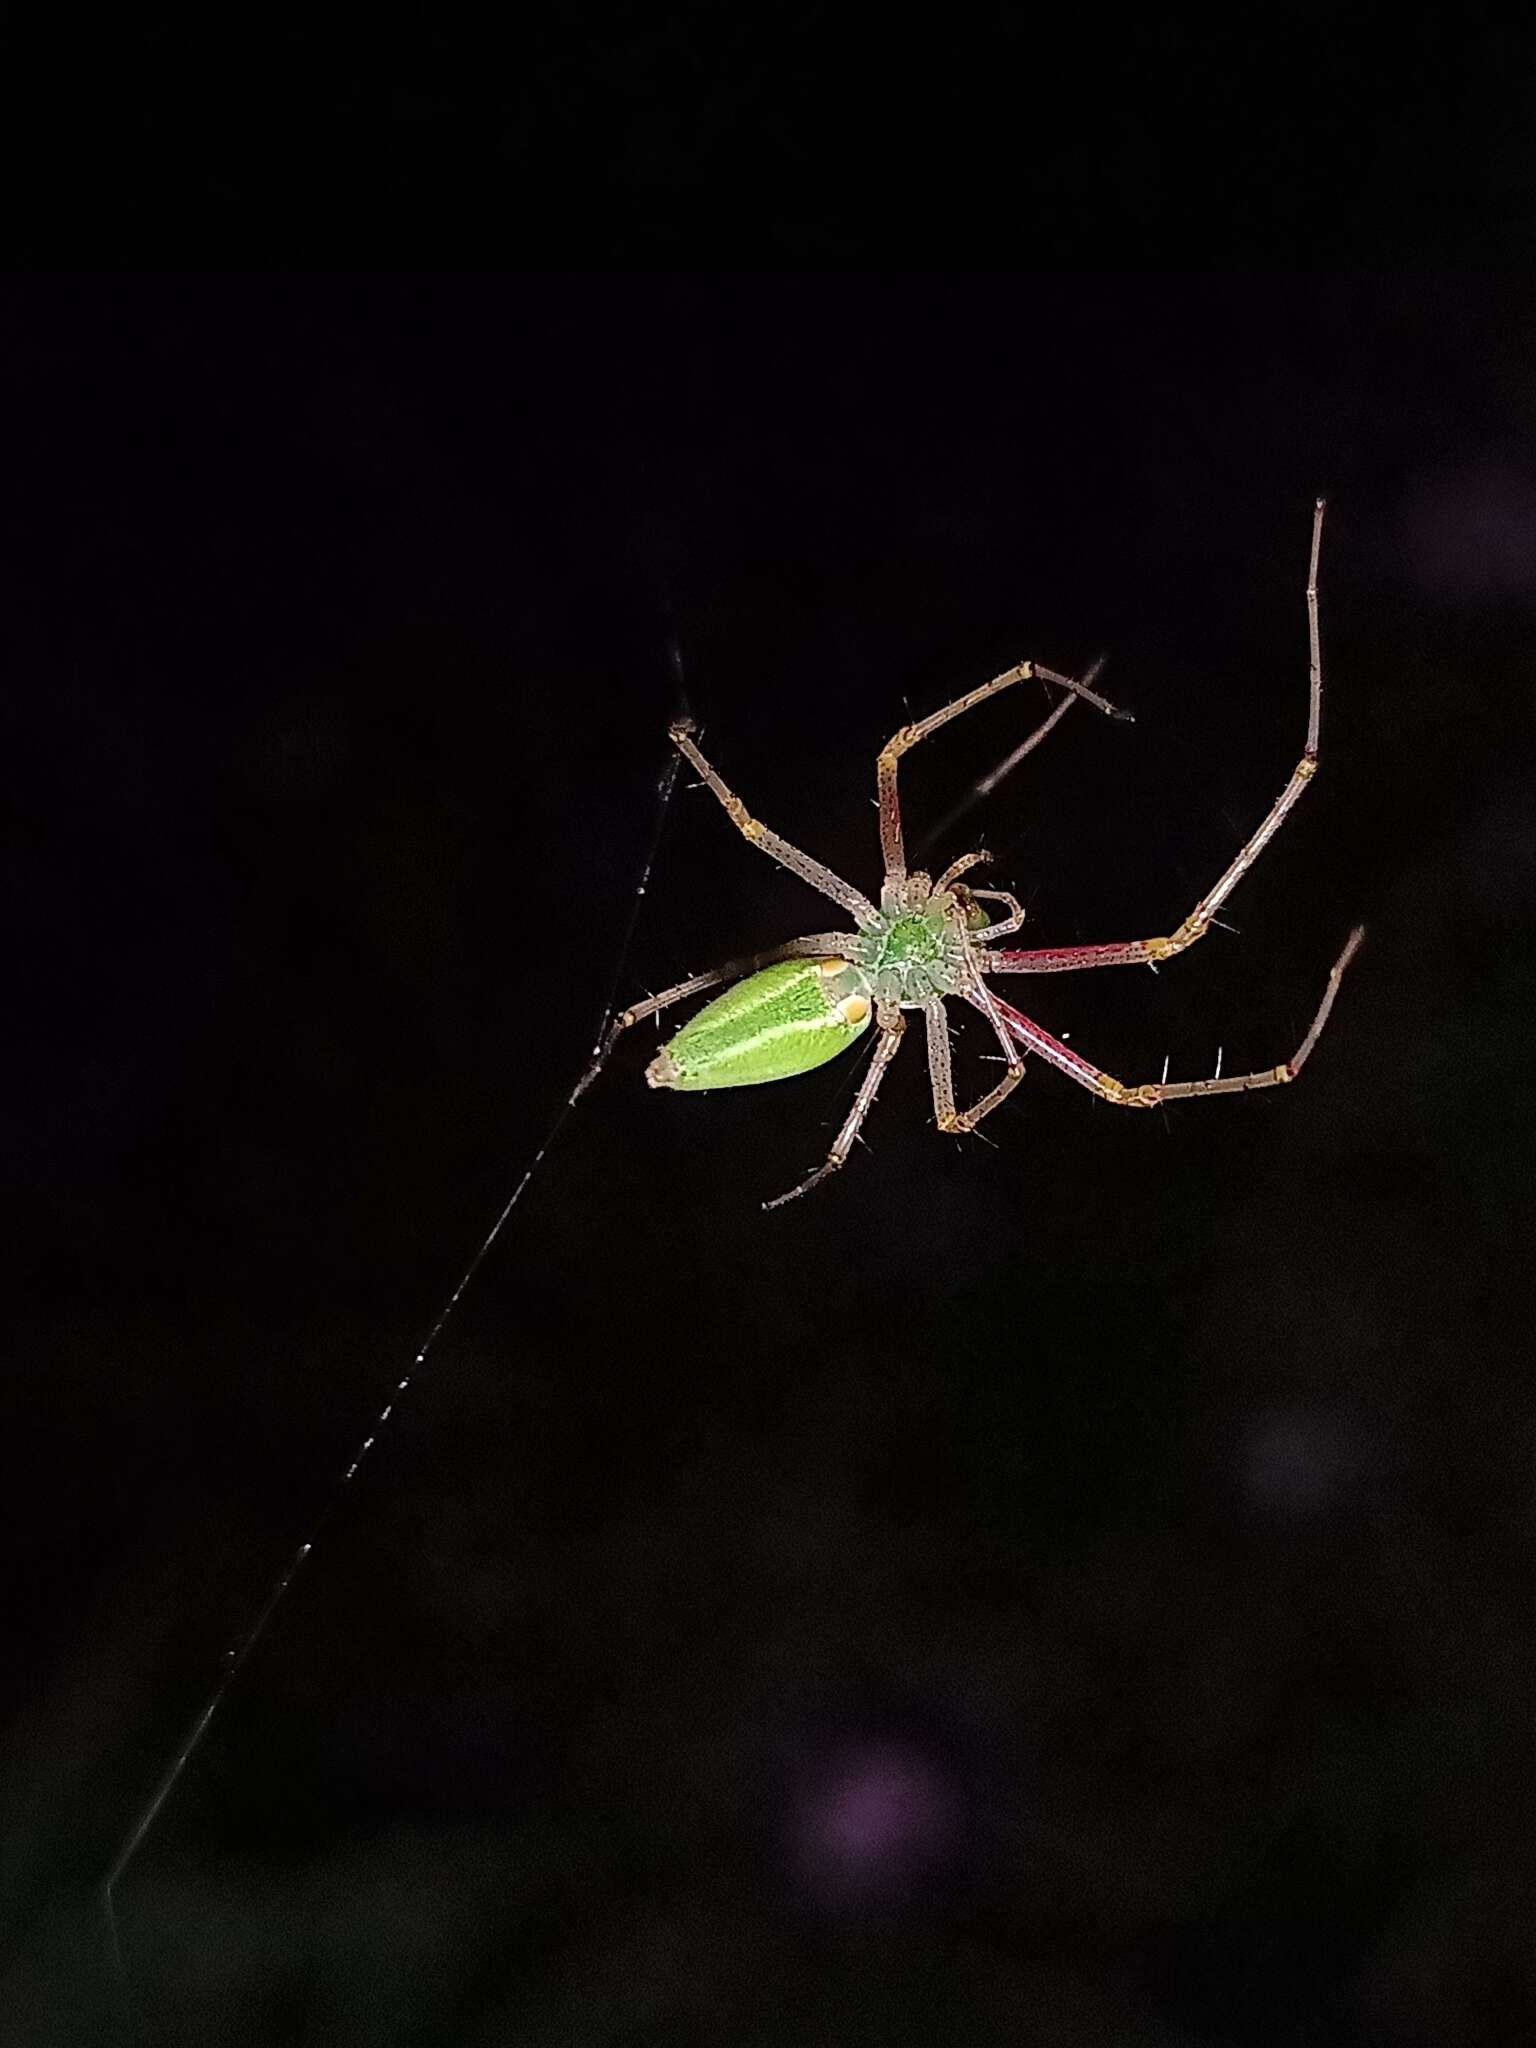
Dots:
pixel 925 942
pixel 918 944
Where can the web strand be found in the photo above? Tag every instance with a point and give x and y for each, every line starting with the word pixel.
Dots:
pixel 239 1653
pixel 602 1045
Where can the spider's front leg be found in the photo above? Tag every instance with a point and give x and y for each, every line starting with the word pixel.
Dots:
pixel 756 833
pixel 1130 952
pixel 1148 1094
pixel 892 846
pixel 892 1024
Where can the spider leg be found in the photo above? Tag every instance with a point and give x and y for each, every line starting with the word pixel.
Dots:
pixel 941 1073
pixel 892 1025
pixel 1063 959
pixel 992 1009
pixel 892 848
pixel 757 834
pixel 1148 1094
pixel 957 868
pixel 988 782
pixel 818 946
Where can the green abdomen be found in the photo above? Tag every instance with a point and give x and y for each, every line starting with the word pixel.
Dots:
pixel 780 1021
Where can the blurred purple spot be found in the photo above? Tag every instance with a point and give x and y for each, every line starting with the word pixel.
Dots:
pixel 1293 1463
pixel 1472 532
pixel 872 1819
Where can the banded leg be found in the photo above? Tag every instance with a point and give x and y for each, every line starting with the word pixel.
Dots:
pixel 967 861
pixel 993 1010
pixel 1148 1094
pixel 892 1024
pixel 988 782
pixel 1064 959
pixel 756 833
pixel 941 1074
pixel 818 946
pixel 892 848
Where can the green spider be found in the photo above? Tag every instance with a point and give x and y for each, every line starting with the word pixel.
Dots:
pixel 799 1005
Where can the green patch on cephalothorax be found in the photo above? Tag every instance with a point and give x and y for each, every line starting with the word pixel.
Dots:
pixel 913 939
pixel 916 954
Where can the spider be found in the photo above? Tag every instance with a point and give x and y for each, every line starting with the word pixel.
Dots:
pixel 800 1004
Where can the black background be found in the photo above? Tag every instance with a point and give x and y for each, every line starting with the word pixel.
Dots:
pixel 1067 1586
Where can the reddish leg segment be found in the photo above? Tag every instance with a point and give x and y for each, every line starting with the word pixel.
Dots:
pixel 1148 1094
